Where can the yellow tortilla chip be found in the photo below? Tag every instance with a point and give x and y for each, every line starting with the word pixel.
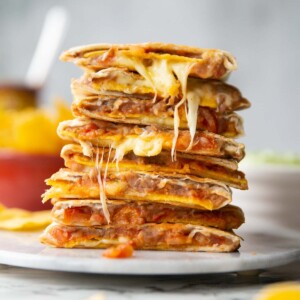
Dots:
pixel 19 219
pixel 33 130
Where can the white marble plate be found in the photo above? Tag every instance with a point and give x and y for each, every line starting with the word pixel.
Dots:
pixel 258 251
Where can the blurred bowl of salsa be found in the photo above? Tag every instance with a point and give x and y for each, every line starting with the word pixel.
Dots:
pixel 22 178
pixel 29 153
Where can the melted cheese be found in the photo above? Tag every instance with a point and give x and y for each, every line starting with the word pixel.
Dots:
pixel 87 148
pixel 102 194
pixel 194 100
pixel 100 241
pixel 156 69
pixel 136 64
pixel 118 80
pixel 114 79
pixel 144 145
pixel 208 231
pixel 167 78
pixel 158 73
pixel 193 233
pixel 182 72
pixel 107 163
pixel 159 70
pixel 163 77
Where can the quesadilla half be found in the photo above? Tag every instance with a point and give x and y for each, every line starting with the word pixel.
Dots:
pixel 91 213
pixel 147 140
pixel 217 169
pixel 176 189
pixel 115 82
pixel 180 237
pixel 161 64
pixel 129 110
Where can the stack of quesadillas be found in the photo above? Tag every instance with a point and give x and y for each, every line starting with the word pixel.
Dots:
pixel 152 154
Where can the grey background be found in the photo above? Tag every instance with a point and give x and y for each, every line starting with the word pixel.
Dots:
pixel 263 35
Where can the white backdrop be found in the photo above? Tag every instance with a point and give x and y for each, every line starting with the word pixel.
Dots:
pixel 263 35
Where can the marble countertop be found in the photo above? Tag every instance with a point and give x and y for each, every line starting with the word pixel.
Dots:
pixel 34 284
pixel 22 283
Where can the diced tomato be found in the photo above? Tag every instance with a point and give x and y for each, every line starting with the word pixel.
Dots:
pixel 120 251
pixel 159 216
pixel 76 214
pixel 208 120
pixel 90 127
pixel 97 219
pixel 129 215
pixel 60 235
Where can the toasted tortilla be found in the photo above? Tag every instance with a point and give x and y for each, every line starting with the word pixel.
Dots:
pixel 162 164
pixel 179 237
pixel 90 213
pixel 176 189
pixel 147 140
pixel 114 82
pixel 206 63
pixel 129 110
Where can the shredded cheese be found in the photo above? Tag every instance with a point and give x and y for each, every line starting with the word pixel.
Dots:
pixel 102 194
pixel 106 166
pixel 193 100
pixel 87 148
pixel 163 77
pixel 136 63
pixel 193 233
pixel 182 72
pixel 144 145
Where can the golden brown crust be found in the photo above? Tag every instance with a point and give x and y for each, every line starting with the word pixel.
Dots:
pixel 162 164
pixel 137 107
pixel 180 237
pixel 156 47
pixel 69 149
pixel 208 63
pixel 187 191
pixel 90 213
pixel 116 82
pixel 143 112
pixel 100 133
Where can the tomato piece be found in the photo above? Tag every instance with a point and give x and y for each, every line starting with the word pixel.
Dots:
pixel 119 251
pixel 60 235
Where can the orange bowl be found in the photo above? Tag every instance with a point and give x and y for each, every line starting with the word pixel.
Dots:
pixel 22 178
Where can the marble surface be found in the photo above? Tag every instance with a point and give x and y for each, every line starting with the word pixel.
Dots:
pixel 25 284
pixel 258 251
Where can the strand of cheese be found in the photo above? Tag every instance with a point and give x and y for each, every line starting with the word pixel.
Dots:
pixel 106 166
pixel 182 72
pixel 102 194
pixel 87 148
pixel 140 68
pixel 193 100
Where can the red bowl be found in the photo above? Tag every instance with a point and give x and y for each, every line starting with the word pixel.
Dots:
pixel 22 179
